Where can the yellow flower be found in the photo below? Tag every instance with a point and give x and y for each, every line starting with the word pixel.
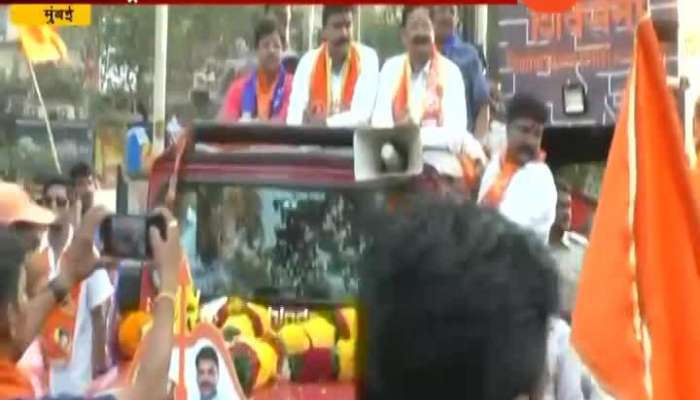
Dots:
pixel 294 339
pixel 238 325
pixel 131 331
pixel 321 332
pixel 346 359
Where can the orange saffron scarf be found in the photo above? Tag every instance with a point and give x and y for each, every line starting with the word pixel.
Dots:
pixel 58 335
pixel 494 196
pixel 320 97
pixel 265 91
pixel 432 103
pixel 13 384
pixel 471 170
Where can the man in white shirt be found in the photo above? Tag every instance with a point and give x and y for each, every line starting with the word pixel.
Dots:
pixel 563 368
pixel 74 377
pixel 420 86
pixel 335 84
pixel 568 248
pixel 88 352
pixel 518 183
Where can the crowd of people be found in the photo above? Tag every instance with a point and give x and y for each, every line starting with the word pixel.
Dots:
pixel 438 85
pixel 467 300
pixel 439 81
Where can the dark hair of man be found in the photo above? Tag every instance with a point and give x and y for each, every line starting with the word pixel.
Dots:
pixel 454 7
pixel 406 12
pixel 54 181
pixel 142 110
pixel 562 185
pixel 329 11
pixel 526 106
pixel 456 305
pixel 264 27
pixel 11 257
pixel 80 170
pixel 207 353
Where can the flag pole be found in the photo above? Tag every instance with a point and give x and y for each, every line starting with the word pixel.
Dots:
pixel 160 77
pixel 52 143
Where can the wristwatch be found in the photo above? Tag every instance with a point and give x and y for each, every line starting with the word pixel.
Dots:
pixel 58 289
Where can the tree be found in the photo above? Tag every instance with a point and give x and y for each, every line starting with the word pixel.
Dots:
pixel 126 48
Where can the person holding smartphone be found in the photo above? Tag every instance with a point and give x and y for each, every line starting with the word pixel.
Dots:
pixel 22 320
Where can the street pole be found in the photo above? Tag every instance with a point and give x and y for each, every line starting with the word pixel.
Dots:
pixel 310 44
pixel 358 36
pixel 159 78
pixel 49 132
pixel 481 31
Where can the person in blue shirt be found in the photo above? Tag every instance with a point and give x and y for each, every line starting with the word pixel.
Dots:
pixel 466 56
pixel 138 143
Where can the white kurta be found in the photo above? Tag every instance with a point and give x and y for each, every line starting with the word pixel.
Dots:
pixel 530 200
pixel 454 102
pixel 362 99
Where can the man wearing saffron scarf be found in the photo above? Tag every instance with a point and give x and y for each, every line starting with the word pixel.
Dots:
pixel 466 56
pixel 422 86
pixel 335 84
pixel 263 94
pixel 518 183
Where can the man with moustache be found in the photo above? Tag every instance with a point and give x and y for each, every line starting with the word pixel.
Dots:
pixel 421 86
pixel 518 183
pixel 335 84
pixel 207 363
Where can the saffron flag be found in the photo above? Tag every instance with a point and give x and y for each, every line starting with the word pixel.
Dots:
pixel 636 321
pixel 42 44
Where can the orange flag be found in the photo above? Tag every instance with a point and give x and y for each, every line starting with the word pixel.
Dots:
pixel 42 44
pixel 636 323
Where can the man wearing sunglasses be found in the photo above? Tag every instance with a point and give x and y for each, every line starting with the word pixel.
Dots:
pixel 518 183
pixel 90 357
pixel 55 197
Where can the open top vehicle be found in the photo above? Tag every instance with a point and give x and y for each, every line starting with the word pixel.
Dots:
pixel 274 224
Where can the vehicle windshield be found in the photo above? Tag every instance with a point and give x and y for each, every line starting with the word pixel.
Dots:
pixel 277 244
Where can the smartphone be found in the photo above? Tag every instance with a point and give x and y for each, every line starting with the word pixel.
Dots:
pixel 126 236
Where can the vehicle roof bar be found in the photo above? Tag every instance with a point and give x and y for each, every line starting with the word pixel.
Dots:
pixel 218 133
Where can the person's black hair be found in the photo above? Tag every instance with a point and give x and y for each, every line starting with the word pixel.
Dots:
pixel 264 27
pixel 455 305
pixel 406 12
pixel 454 7
pixel 526 106
pixel 142 110
pixel 12 254
pixel 562 185
pixel 207 353
pixel 55 181
pixel 328 11
pixel 80 170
